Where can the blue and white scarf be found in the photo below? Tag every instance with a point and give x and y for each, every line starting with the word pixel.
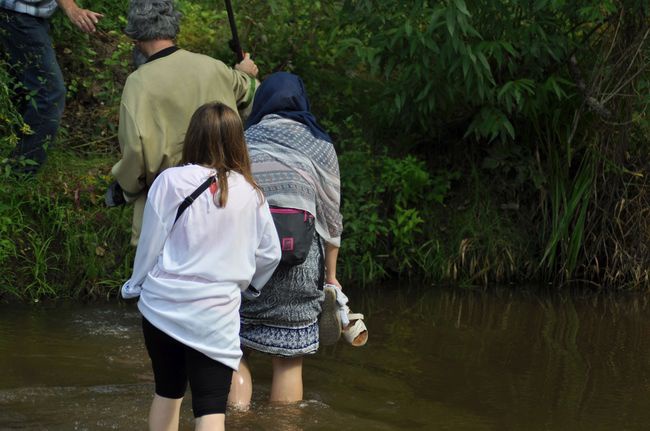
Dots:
pixel 295 169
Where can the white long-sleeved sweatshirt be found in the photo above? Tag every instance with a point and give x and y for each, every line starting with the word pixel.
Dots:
pixel 190 275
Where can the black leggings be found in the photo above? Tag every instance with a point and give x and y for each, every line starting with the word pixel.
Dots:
pixel 174 364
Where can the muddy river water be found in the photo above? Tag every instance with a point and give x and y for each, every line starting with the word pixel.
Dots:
pixel 437 359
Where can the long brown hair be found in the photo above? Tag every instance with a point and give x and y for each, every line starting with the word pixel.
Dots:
pixel 215 139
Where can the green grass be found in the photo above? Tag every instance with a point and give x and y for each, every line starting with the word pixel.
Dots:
pixel 66 242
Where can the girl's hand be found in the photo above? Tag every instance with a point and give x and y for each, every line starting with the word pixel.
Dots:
pixel 335 282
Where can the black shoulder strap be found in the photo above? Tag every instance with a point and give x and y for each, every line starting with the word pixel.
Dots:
pixel 189 199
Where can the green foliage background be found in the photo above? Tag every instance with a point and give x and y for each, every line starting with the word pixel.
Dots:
pixel 480 141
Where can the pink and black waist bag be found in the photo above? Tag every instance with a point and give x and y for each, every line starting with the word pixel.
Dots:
pixel 296 231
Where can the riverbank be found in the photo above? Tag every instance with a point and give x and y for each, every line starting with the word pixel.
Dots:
pixel 469 155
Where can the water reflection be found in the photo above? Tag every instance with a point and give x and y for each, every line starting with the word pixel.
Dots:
pixel 502 359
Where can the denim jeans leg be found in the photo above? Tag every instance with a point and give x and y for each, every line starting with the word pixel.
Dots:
pixel 34 64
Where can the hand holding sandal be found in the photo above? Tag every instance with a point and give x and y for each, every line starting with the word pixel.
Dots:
pixel 336 320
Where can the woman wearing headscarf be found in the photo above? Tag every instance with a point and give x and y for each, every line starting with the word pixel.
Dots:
pixel 295 164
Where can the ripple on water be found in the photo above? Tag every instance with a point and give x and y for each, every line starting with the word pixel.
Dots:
pixel 122 325
pixel 83 408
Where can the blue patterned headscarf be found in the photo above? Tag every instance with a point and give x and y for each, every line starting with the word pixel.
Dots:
pixel 284 94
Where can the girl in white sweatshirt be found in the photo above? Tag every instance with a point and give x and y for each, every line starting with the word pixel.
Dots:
pixel 190 272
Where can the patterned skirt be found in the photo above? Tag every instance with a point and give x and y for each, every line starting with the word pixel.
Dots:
pixel 283 320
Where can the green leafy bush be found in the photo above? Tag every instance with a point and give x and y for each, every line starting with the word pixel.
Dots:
pixel 480 141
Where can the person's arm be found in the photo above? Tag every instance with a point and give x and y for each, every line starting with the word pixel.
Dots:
pixel 331 255
pixel 84 19
pixel 247 66
pixel 268 253
pixel 244 82
pixel 152 239
pixel 129 170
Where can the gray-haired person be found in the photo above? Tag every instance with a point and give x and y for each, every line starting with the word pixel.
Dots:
pixel 160 97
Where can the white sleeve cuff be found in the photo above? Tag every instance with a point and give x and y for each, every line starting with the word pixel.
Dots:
pixel 250 292
pixel 129 291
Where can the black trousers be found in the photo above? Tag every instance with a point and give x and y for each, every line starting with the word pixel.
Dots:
pixel 175 364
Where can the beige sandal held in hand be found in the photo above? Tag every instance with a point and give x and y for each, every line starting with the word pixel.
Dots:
pixel 356 332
